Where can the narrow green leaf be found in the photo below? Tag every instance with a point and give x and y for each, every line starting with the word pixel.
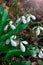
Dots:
pixel 4 19
pixel 15 52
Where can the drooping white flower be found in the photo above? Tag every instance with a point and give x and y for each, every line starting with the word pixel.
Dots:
pixel 24 19
pixel 28 19
pixel 14 42
pixel 18 20
pixel 6 27
pixel 24 42
pixel 22 47
pixel 33 17
pixel 7 41
pixel 11 22
pixel 38 30
pixel 11 25
pixel 41 28
pixel 41 53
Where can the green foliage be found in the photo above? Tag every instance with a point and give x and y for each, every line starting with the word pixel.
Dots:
pixel 8 49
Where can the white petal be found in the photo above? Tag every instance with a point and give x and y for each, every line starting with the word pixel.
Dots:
pixel 11 22
pixel 40 54
pixel 33 17
pixel 25 42
pixel 41 28
pixel 24 19
pixel 42 49
pixel 6 27
pixel 38 31
pixel 7 41
pixel 13 27
pixel 14 43
pixel 22 47
pixel 18 20
pixel 13 37
pixel 28 19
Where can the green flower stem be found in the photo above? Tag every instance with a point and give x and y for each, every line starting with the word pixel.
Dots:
pixel 35 23
pixel 19 52
pixel 13 32
pixel 3 21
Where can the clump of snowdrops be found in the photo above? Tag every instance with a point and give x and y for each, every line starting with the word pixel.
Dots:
pixel 10 43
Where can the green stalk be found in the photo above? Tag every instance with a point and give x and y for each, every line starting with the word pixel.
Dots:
pixel 35 23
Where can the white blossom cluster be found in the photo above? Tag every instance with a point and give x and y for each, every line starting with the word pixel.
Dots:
pixel 15 42
pixel 26 19
pixel 11 25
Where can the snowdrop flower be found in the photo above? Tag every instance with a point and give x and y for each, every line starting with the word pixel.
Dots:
pixel 24 19
pixel 13 41
pixel 12 26
pixel 6 27
pixel 29 16
pixel 33 17
pixel 25 42
pixel 28 19
pixel 38 30
pixel 18 20
pixel 22 47
pixel 7 41
pixel 41 53
pixel 11 22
